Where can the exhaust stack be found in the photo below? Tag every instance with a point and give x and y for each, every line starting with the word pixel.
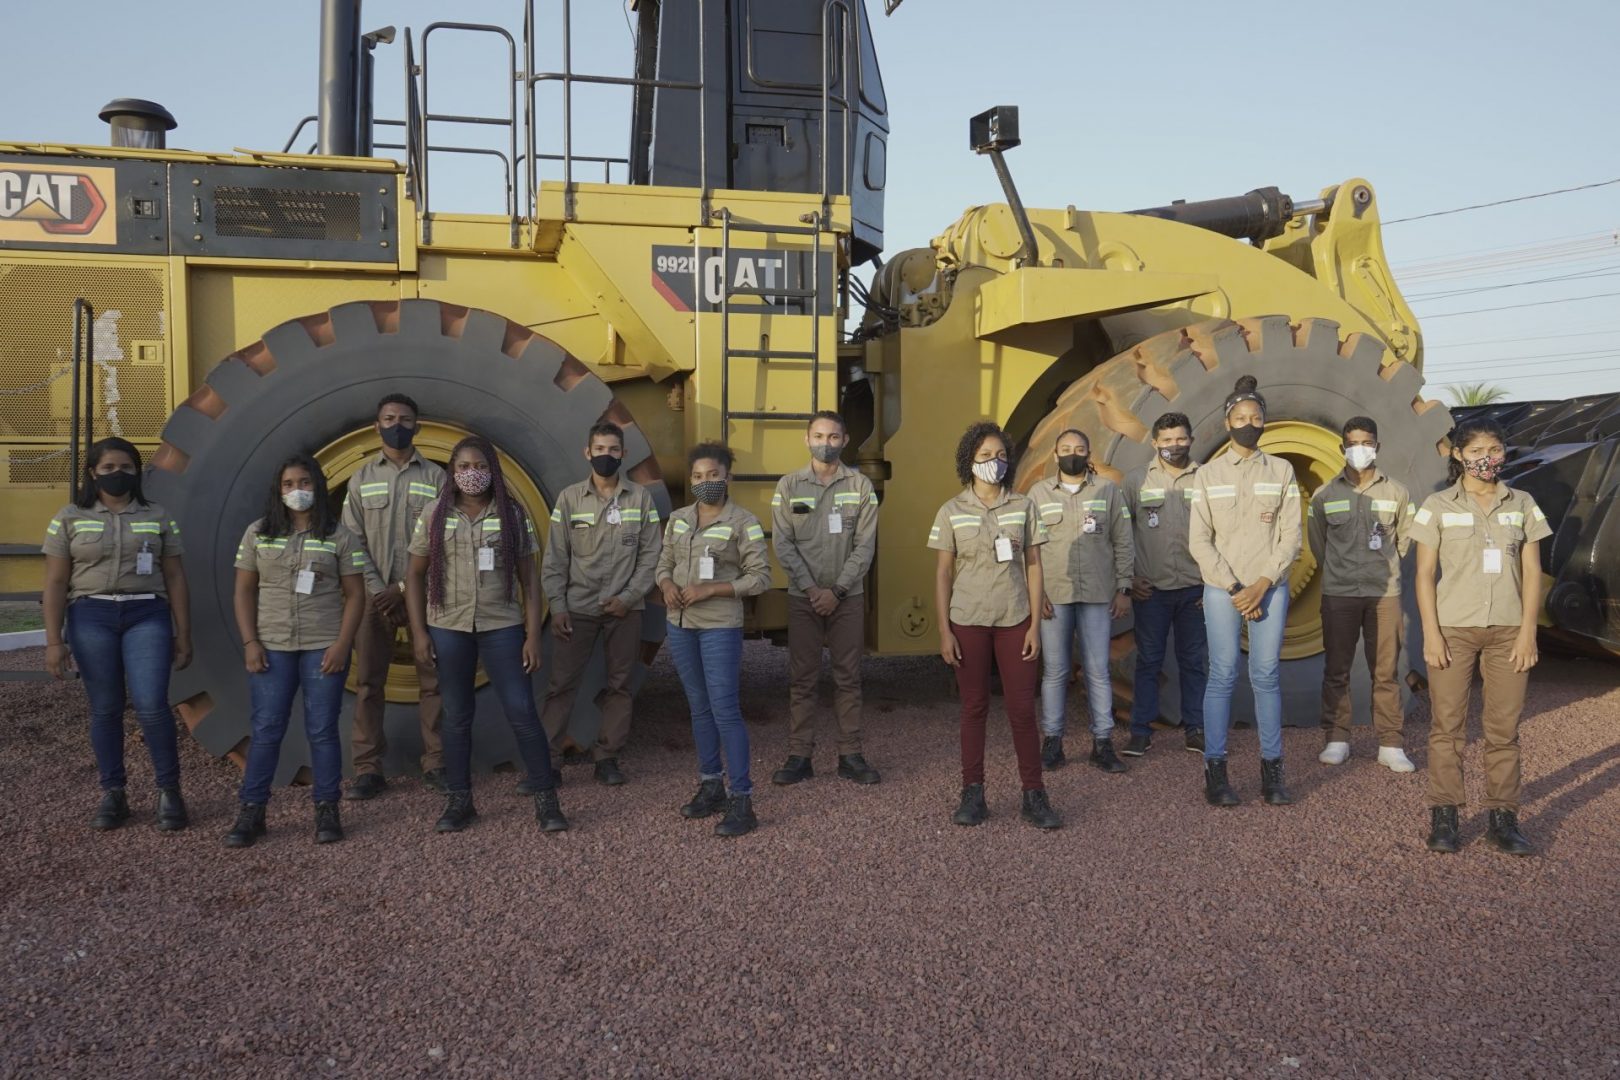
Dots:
pixel 340 78
pixel 137 123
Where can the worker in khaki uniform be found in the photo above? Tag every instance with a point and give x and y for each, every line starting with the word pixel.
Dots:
pixel 1086 566
pixel 385 499
pixel 1359 527
pixel 824 529
pixel 1167 591
pixel 1484 539
pixel 1245 535
pixel 598 568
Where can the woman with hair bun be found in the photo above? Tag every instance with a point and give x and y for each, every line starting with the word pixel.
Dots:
pixel 1245 534
pixel 1483 539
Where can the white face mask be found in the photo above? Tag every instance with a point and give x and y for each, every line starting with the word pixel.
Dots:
pixel 298 499
pixel 1360 457
pixel 991 472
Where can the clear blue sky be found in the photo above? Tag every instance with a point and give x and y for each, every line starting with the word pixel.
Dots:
pixel 1440 103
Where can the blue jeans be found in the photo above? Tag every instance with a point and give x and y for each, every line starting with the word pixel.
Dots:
pixel 272 693
pixel 1166 610
pixel 1225 627
pixel 708 662
pixel 121 646
pixel 1057 642
pixel 502 653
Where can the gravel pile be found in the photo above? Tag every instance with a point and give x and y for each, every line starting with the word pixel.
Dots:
pixel 856 933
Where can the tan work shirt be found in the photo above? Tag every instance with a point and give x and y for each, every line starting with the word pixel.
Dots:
pixel 381 508
pixel 1246 519
pixel 987 590
pixel 104 547
pixel 474 599
pixel 736 542
pixel 1088 555
pixel 1161 517
pixel 1359 535
pixel 825 534
pixel 290 620
pixel 1470 592
pixel 599 549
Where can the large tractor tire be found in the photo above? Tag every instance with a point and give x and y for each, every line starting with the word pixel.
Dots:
pixel 310 383
pixel 1312 382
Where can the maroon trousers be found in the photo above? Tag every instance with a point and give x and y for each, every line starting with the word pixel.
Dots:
pixel 1020 680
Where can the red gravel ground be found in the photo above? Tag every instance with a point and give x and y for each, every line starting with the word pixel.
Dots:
pixel 858 932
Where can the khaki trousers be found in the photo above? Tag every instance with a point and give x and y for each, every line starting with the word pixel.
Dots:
pixel 621 638
pixel 844 635
pixel 1376 622
pixel 1488 649
pixel 374 651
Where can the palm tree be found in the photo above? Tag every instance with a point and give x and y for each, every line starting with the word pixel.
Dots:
pixel 1478 393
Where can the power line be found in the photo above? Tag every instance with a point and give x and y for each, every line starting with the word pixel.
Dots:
pixel 1579 275
pixel 1516 340
pixel 1587 354
pixel 1539 375
pixel 1504 202
pixel 1512 307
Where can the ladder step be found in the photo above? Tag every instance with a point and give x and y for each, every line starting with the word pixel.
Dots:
pixel 785 230
pixel 801 417
pixel 770 354
pixel 778 294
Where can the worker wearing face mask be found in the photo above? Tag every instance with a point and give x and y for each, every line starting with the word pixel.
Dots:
pixel 1358 527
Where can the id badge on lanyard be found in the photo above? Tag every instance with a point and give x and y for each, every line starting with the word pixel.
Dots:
pixel 486 558
pixel 143 559
pixel 306 580
pixel 706 566
pixel 1492 556
pixel 1004 549
pixel 835 523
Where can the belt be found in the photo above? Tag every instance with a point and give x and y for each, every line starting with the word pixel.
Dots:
pixel 119 598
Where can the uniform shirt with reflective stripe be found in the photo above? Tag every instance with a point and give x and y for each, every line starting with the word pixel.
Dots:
pixel 1161 517
pixel 475 600
pixel 1078 567
pixel 735 540
pixel 1453 524
pixel 985 592
pixel 593 555
pixel 381 508
pixel 104 547
pixel 1341 520
pixel 812 554
pixel 290 621
pixel 1229 534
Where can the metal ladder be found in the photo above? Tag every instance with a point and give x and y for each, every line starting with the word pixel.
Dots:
pixel 811 295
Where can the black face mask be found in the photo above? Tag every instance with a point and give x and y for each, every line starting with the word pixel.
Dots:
pixel 116 484
pixel 398 437
pixel 605 464
pixel 1247 436
pixel 1176 455
pixel 1074 464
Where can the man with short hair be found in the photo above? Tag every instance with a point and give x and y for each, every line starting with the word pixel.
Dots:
pixel 601 552
pixel 386 496
pixel 1168 588
pixel 824 529
pixel 1358 525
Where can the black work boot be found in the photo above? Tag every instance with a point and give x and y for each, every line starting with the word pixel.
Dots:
pixel 1504 835
pixel 794 769
pixel 1052 752
pixel 366 786
pixel 1038 811
pixel 530 786
pixel 1138 746
pixel 171 815
pixel 113 811
pixel 1217 792
pixel 434 778
pixel 608 772
pixel 548 811
pixel 971 810
pixel 1102 756
pixel 1443 829
pixel 459 812
pixel 1271 783
pixel 328 823
pixel 854 767
pixel 710 799
pixel 249 826
pixel 739 817
pixel 1194 739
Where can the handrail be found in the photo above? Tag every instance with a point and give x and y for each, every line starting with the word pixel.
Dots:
pixel 851 48
pixel 510 122
pixel 297 131
pixel 84 364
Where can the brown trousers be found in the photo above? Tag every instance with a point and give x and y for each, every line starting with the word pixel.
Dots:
pixel 1376 621
pixel 621 638
pixel 1488 649
pixel 374 651
pixel 844 635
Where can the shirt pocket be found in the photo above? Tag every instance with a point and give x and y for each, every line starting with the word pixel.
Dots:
pixel 1457 527
pixel 1336 513
pixel 87 544
pixel 375 500
pixel 1267 497
pixel 585 534
pixel 1051 515
pixel 1386 512
pixel 969 533
pixel 1223 503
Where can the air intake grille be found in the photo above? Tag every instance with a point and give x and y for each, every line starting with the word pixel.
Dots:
pixel 283 214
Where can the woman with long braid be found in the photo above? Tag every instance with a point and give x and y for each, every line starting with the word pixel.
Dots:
pixel 472 551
